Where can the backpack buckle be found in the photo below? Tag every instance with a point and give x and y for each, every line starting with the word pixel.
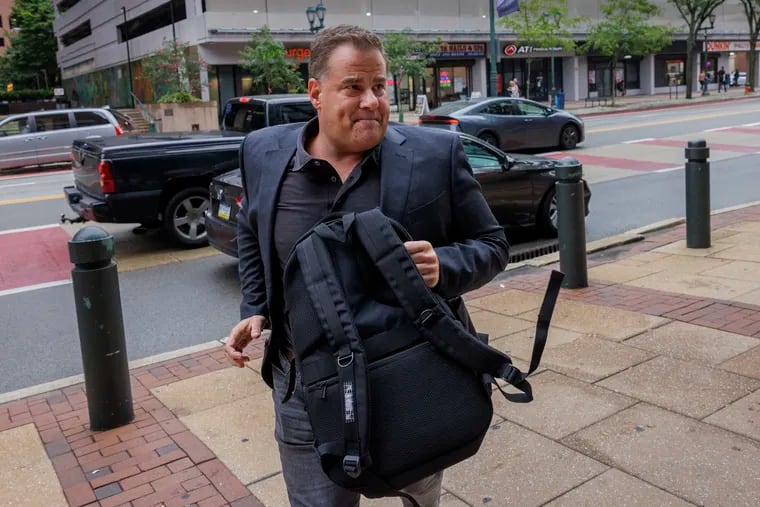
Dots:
pixel 352 466
pixel 345 360
pixel 510 374
pixel 426 316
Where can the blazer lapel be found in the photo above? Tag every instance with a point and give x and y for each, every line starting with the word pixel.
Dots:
pixel 396 174
pixel 275 162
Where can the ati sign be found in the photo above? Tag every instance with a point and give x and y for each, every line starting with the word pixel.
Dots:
pixel 515 50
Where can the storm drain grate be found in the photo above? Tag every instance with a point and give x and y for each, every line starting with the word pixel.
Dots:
pixel 527 252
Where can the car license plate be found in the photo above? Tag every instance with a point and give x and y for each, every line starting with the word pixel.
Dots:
pixel 224 211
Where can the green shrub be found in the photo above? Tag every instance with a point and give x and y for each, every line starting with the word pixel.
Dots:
pixel 25 95
pixel 181 97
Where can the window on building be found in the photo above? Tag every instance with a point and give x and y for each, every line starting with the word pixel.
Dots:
pixel 64 5
pixel 152 20
pixel 2 42
pixel 1 21
pixel 76 34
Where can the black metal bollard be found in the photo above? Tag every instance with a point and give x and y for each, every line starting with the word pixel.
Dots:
pixel 101 329
pixel 697 195
pixel 571 223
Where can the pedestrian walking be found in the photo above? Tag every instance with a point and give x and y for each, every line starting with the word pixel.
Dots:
pixel 703 82
pixel 722 80
pixel 348 159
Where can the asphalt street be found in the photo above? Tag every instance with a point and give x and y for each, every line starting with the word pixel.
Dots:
pixel 170 304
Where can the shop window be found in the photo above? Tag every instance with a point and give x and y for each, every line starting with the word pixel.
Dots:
pixel 669 70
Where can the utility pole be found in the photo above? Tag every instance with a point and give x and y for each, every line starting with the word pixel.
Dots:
pixel 494 51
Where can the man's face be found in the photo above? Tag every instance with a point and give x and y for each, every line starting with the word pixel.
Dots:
pixel 352 100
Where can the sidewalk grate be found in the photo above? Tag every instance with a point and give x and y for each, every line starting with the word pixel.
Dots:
pixel 533 250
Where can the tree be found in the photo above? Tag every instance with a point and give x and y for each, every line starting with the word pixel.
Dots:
pixel 30 59
pixel 694 13
pixel 624 31
pixel 407 57
pixel 265 59
pixel 752 10
pixel 173 74
pixel 542 24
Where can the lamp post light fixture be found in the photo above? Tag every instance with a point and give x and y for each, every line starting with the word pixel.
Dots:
pixel 314 14
pixel 710 18
pixel 552 18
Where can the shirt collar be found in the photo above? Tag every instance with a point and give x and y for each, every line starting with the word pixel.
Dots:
pixel 309 132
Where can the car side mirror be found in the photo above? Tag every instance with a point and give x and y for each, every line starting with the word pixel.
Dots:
pixel 507 164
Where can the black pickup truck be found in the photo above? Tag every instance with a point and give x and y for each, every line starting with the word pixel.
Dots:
pixel 163 180
pixel 152 180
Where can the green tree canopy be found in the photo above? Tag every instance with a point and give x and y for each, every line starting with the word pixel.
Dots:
pixel 752 11
pixel 407 57
pixel 265 59
pixel 30 60
pixel 626 30
pixel 174 74
pixel 543 24
pixel 695 13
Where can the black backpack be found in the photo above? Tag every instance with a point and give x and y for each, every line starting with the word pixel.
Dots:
pixel 397 384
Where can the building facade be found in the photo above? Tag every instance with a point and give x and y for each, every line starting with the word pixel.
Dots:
pixel 5 24
pixel 99 38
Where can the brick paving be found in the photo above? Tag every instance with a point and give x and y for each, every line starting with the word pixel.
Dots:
pixel 153 460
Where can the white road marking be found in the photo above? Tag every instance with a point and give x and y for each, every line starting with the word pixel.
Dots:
pixel 27 229
pixel 18 185
pixel 668 169
pixel 646 139
pixel 751 125
pixel 719 129
pixel 29 288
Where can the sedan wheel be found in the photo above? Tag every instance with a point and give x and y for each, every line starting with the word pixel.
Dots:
pixel 489 138
pixel 547 221
pixel 568 138
pixel 184 220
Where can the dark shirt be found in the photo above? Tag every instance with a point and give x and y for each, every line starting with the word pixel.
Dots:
pixel 311 189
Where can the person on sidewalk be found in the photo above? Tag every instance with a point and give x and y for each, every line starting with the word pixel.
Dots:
pixel 349 159
pixel 722 80
pixel 703 82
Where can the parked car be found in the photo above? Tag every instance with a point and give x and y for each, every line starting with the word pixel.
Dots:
pixel 163 180
pixel 45 137
pixel 519 189
pixel 740 80
pixel 246 114
pixel 509 123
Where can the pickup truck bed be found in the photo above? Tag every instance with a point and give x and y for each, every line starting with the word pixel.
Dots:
pixel 153 180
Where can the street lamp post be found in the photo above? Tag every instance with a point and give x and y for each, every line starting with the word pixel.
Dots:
pixel 125 34
pixel 494 51
pixel 552 19
pixel 314 14
pixel 711 18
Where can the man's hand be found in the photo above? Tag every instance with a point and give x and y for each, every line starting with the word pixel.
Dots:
pixel 426 260
pixel 240 336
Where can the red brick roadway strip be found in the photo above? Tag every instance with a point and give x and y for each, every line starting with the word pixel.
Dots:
pixel 730 316
pixel 154 460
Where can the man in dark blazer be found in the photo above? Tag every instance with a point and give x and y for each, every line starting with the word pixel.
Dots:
pixel 350 159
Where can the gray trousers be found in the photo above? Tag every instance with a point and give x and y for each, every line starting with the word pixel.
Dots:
pixel 307 484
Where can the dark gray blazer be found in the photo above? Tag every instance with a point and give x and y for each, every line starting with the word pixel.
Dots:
pixel 426 185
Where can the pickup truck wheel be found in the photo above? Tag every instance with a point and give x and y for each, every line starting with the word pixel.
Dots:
pixel 184 222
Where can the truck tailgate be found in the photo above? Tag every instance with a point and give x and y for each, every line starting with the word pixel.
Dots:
pixel 85 161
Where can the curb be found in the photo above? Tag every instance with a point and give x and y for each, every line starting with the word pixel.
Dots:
pixel 631 236
pixel 78 379
pixel 661 106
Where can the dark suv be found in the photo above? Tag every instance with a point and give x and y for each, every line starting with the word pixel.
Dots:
pixel 245 114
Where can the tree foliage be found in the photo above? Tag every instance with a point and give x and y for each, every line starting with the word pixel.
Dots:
pixel 265 59
pixel 695 13
pixel 173 73
pixel 32 46
pixel 626 30
pixel 752 11
pixel 408 57
pixel 542 24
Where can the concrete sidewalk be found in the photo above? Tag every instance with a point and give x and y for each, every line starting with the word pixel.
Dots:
pixel 649 394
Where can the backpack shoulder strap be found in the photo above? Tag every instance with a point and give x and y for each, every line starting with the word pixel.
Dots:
pixel 383 245
pixel 329 302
